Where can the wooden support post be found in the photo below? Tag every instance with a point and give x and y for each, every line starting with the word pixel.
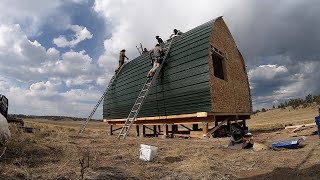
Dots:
pixel 155 130
pixel 195 127
pixel 137 129
pixel 217 127
pixel 215 121
pixel 159 129
pixel 111 130
pixel 205 128
pixel 229 125
pixel 174 129
pixel 166 130
pixel 143 130
pixel 244 123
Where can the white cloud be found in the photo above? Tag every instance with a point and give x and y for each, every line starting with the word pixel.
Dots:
pixel 81 34
pixel 31 13
pixel 40 81
pixel 42 99
pixel 131 23
pixel 18 54
pixel 268 71
pixel 29 61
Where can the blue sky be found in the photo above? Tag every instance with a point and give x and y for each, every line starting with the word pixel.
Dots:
pixel 81 14
pixel 56 57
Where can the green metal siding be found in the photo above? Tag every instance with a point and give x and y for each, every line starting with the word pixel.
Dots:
pixel 182 88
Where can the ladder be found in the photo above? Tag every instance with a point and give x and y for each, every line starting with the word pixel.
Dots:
pixel 142 95
pixel 100 100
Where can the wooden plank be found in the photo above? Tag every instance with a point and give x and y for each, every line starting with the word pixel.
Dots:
pixel 165 121
pixel 198 114
pixel 217 127
pixel 116 129
pixel 185 127
pixel 228 113
pixel 299 126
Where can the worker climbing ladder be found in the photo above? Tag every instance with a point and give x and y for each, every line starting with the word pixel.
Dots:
pixel 142 95
pixel 101 99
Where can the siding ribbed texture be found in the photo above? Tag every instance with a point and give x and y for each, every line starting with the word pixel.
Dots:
pixel 182 88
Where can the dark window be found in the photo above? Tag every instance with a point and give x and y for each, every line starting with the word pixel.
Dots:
pixel 218 65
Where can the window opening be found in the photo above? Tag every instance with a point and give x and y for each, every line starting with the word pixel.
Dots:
pixel 218 64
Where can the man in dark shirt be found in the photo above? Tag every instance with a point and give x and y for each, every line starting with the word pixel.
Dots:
pixel 160 41
pixel 176 32
pixel 121 59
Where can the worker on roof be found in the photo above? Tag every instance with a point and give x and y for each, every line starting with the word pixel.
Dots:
pixel 160 41
pixel 176 33
pixel 145 50
pixel 156 55
pixel 121 59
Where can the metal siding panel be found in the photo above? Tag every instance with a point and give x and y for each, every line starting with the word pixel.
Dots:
pixel 182 88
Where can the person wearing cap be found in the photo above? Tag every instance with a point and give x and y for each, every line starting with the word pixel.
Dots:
pixel 121 59
pixel 176 33
pixel 145 50
pixel 156 59
pixel 160 41
pixel 247 141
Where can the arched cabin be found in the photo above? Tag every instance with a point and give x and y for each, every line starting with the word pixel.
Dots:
pixel 203 82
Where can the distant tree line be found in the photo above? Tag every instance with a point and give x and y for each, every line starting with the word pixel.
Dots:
pixel 54 118
pixel 296 102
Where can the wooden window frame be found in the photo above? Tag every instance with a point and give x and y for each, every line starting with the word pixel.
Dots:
pixel 223 57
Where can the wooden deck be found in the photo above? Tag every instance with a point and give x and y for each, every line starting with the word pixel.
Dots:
pixel 163 122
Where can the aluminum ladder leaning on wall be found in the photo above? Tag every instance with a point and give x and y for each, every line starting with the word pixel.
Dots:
pixel 142 95
pixel 101 99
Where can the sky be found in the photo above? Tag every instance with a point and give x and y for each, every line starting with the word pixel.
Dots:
pixel 57 56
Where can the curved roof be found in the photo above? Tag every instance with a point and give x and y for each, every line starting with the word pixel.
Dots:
pixel 182 87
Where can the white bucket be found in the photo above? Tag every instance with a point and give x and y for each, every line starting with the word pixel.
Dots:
pixel 147 153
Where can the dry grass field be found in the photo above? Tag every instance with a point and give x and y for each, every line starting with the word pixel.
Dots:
pixel 54 151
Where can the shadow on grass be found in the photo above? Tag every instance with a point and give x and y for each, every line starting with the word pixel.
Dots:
pixel 112 173
pixel 290 173
pixel 296 173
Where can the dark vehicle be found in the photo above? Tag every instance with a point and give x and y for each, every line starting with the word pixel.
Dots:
pixel 4 106
pixel 4 103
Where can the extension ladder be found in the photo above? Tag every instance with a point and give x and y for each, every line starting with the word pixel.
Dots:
pixel 142 95
pixel 100 100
